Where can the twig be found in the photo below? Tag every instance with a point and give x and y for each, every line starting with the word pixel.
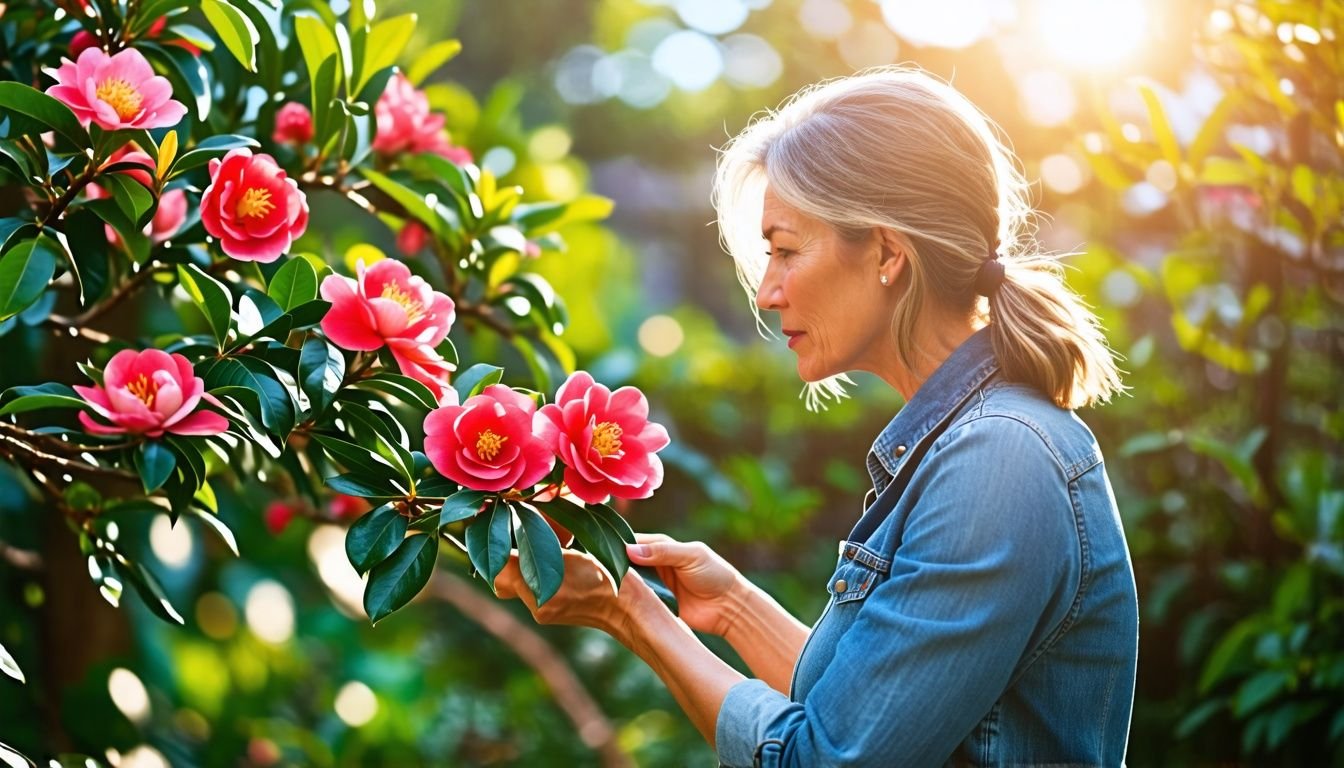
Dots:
pixel 486 315
pixel 592 726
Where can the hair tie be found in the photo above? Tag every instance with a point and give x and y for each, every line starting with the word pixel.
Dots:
pixel 990 276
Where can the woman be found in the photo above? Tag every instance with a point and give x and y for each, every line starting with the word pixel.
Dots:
pixel 983 609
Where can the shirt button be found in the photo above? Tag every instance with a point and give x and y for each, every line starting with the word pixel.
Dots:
pixel 840 585
pixel 899 451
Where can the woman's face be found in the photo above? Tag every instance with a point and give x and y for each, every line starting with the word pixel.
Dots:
pixel 828 292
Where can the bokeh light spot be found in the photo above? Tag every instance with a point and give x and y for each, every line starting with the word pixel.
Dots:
pixel 1062 173
pixel 270 612
pixel 661 335
pixel 942 24
pixel 129 695
pixel 356 704
pixel 691 60
pixel 172 544
pixel 713 17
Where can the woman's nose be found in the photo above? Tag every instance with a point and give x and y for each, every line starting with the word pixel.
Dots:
pixel 768 296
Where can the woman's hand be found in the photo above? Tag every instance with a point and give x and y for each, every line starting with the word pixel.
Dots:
pixel 704 583
pixel 586 597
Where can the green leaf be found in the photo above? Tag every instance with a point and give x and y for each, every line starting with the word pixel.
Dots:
pixel 1198 717
pixel 540 218
pixel 210 296
pixel 404 388
pixel 599 539
pixel 393 582
pixel 131 196
pixel 411 200
pixel 358 459
pixel 235 30
pixel 9 666
pixel 374 537
pixel 321 55
pixel 294 284
pixel 539 555
pixel 387 39
pixel 51 395
pixel 186 72
pixel 321 370
pixel 489 539
pixel 150 590
pixel 45 109
pixel 460 506
pixel 352 484
pixel 1212 129
pixel 261 380
pixel 25 272
pixel 476 378
pixel 1231 650
pixel 1166 138
pixel 155 463
pixel 1259 689
pixel 210 148
pixel 215 524
pixel 12 758
pixel 432 58
pixel 364 424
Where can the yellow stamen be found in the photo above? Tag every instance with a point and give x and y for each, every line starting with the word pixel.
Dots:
pixel 488 445
pixel 414 309
pixel 145 389
pixel 256 202
pixel 121 96
pixel 607 438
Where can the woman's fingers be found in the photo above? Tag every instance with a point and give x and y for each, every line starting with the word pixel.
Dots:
pixel 645 538
pixel 666 552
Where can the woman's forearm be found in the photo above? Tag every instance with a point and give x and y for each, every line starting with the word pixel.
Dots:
pixel 697 678
pixel 765 635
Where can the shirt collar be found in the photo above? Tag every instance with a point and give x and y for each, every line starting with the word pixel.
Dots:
pixel 964 371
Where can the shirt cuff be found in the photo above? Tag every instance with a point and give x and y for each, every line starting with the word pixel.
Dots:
pixel 747 712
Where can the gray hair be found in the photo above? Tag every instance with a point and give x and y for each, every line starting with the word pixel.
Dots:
pixel 896 148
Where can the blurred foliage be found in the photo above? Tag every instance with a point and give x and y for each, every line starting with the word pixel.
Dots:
pixel 1213 252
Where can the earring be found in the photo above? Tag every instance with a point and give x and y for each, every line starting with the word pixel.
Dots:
pixel 884 279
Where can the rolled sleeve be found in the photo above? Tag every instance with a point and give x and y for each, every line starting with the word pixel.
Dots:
pixel 986 556
pixel 749 711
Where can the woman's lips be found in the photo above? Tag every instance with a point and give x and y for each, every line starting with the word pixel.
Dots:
pixel 794 336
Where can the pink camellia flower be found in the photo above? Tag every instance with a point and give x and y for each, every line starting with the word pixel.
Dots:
pixel 149 393
pixel 343 507
pixel 412 237
pixel 82 41
pixel 119 91
pixel 254 209
pixel 487 443
pixel 278 516
pixel 405 123
pixel 387 305
pixel 293 124
pixel 605 440
pixel 452 153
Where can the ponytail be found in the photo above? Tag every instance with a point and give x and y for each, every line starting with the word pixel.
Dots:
pixel 1044 335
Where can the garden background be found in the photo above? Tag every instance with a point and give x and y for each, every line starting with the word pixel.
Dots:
pixel 1190 158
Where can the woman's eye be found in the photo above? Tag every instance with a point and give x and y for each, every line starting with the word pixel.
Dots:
pixel 779 253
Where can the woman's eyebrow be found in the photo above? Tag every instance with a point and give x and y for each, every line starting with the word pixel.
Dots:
pixel 771 230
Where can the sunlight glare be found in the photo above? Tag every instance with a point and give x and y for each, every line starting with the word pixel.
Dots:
pixel 1095 34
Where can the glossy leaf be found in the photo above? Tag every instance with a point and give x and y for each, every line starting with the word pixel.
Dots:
pixel 431 58
pixel 540 558
pixel 461 506
pixel 235 30
pixel 150 590
pixel 476 378
pixel 9 666
pixel 489 541
pixel 294 284
pixel 321 370
pixel 25 272
pixel 387 39
pixel 51 395
pixel 210 296
pixel 49 111
pixel 357 458
pixel 210 148
pixel 393 582
pixel 155 463
pixel 374 537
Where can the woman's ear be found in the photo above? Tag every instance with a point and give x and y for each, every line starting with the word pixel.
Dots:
pixel 893 256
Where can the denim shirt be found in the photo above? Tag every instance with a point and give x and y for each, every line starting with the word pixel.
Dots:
pixel 982 611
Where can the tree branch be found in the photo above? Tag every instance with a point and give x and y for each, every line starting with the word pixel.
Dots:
pixel 592 726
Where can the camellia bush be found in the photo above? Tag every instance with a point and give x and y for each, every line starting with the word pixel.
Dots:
pixel 171 146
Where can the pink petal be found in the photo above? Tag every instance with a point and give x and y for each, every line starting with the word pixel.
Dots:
pixel 201 423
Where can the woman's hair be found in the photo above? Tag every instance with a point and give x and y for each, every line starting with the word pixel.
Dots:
pixel 896 148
